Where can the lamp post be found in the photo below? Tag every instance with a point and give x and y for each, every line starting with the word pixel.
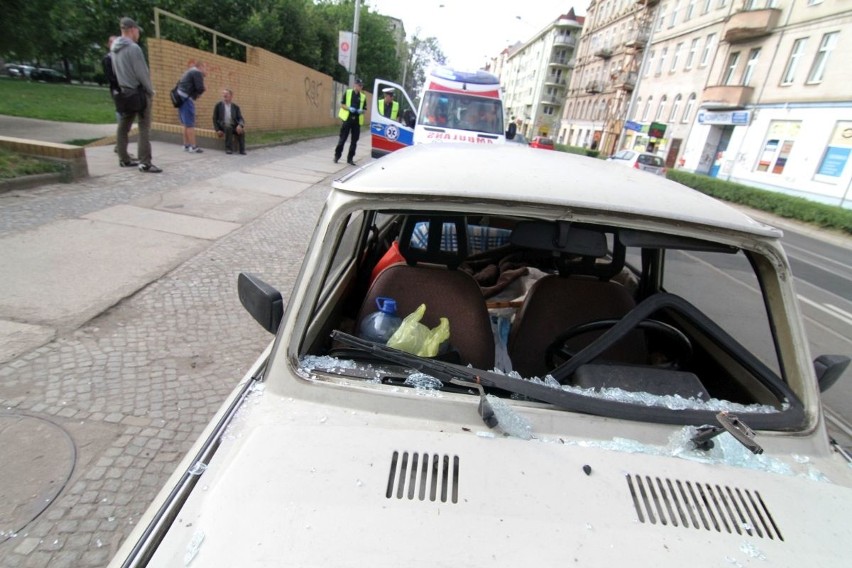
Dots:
pixel 354 58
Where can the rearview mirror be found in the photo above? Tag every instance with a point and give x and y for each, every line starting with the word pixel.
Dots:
pixel 828 369
pixel 261 300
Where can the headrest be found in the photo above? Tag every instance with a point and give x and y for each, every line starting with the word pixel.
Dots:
pixel 434 240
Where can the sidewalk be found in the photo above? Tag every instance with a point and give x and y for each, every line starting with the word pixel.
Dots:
pixel 121 332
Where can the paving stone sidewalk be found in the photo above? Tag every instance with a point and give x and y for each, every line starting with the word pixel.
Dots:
pixel 133 388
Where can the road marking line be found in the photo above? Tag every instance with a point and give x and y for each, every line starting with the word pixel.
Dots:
pixel 837 314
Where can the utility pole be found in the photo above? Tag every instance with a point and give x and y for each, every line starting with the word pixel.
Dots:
pixel 353 62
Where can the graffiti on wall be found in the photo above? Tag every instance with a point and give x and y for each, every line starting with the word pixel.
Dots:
pixel 313 90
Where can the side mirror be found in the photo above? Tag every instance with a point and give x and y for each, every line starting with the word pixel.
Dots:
pixel 261 300
pixel 828 369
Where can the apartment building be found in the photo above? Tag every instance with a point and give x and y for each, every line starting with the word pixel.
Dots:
pixel 535 75
pixel 609 57
pixel 776 111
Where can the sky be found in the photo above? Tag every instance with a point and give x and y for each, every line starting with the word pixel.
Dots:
pixel 471 31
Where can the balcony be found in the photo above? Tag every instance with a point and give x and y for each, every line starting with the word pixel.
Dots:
pixel 560 61
pixel 626 81
pixel 594 87
pixel 604 53
pixel 725 97
pixel 555 81
pixel 749 24
pixel 637 39
pixel 551 100
pixel 648 3
pixel 565 41
pixel 571 63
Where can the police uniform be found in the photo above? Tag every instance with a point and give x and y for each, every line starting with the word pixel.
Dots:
pixel 352 121
pixel 390 111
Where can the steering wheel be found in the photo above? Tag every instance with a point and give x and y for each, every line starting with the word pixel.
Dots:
pixel 682 345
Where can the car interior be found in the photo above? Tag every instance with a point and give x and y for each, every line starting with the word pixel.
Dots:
pixel 583 304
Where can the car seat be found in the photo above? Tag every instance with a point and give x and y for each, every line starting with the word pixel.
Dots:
pixel 430 276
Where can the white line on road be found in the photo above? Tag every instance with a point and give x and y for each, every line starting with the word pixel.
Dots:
pixel 836 312
pixel 788 247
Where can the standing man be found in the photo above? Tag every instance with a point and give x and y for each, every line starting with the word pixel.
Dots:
pixel 388 107
pixel 132 73
pixel 190 87
pixel 228 122
pixel 351 112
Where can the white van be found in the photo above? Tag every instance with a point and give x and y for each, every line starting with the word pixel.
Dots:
pixel 456 106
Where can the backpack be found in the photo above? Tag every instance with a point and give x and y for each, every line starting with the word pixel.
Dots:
pixel 177 100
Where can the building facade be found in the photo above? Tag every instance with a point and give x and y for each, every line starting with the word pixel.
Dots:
pixel 535 76
pixel 610 53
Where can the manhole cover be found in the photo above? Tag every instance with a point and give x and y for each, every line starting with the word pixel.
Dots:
pixel 36 461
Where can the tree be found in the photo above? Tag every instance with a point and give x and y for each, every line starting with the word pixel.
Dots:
pixel 422 54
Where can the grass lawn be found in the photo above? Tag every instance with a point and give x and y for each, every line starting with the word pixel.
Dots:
pixel 59 102
pixel 282 136
pixel 15 165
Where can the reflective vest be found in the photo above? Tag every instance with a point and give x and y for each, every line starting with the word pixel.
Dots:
pixel 394 109
pixel 343 114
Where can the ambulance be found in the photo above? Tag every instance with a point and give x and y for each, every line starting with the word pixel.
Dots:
pixel 455 106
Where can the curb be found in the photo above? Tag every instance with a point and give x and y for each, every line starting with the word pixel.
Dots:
pixel 29 182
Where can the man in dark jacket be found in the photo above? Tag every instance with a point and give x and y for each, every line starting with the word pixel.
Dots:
pixel 228 122
pixel 190 87
pixel 132 73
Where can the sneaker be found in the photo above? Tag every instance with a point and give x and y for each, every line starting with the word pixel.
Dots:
pixel 194 150
pixel 351 162
pixel 128 164
pixel 149 168
pixel 228 152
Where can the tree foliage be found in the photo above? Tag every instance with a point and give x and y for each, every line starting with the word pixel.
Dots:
pixel 74 33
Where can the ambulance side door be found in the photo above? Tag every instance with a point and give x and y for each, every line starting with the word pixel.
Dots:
pixel 388 135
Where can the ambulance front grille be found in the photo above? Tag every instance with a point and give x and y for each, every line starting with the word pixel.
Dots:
pixel 423 477
pixel 701 506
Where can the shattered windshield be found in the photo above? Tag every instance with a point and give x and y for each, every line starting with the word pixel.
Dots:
pixel 575 316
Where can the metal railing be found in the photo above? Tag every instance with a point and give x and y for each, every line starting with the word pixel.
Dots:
pixel 216 35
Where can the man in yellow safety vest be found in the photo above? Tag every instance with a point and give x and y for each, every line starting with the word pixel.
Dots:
pixel 351 112
pixel 388 107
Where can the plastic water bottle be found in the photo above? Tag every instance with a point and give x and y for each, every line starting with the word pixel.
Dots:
pixel 379 326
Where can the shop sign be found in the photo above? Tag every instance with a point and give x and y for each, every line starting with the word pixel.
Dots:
pixel 735 117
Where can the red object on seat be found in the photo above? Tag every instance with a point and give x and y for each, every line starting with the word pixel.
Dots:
pixel 392 256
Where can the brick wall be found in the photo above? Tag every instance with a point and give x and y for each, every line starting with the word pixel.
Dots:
pixel 273 93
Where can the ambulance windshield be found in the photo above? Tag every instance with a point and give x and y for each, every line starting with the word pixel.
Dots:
pixel 462 112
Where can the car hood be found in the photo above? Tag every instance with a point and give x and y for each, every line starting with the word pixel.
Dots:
pixel 299 484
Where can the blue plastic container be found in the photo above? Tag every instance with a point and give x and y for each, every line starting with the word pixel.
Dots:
pixel 379 326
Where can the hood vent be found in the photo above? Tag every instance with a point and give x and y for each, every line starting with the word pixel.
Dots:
pixel 424 477
pixel 701 506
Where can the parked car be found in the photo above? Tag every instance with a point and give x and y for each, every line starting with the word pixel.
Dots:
pixel 626 376
pixel 542 142
pixel 48 75
pixel 12 70
pixel 644 161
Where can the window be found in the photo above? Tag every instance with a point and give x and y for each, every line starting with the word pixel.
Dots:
pixel 636 108
pixel 662 17
pixel 748 72
pixel 650 62
pixel 829 42
pixel 690 103
pixel 660 109
pixel 709 46
pixel 778 146
pixel 706 7
pixel 675 10
pixel 690 57
pixel 793 61
pixel 647 109
pixel 675 108
pixel 662 62
pixel 675 57
pixel 835 158
pixel 731 68
pixel 690 8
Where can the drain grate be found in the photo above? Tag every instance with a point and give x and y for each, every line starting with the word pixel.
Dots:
pixel 701 506
pixel 424 477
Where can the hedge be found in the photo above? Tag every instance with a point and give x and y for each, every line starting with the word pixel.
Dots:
pixel 798 208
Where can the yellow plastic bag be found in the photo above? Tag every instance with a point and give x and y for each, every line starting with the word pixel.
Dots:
pixel 414 337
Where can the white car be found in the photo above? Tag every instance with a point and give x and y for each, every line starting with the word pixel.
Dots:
pixel 626 382
pixel 644 161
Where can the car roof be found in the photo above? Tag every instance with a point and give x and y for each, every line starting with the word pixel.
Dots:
pixel 495 172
